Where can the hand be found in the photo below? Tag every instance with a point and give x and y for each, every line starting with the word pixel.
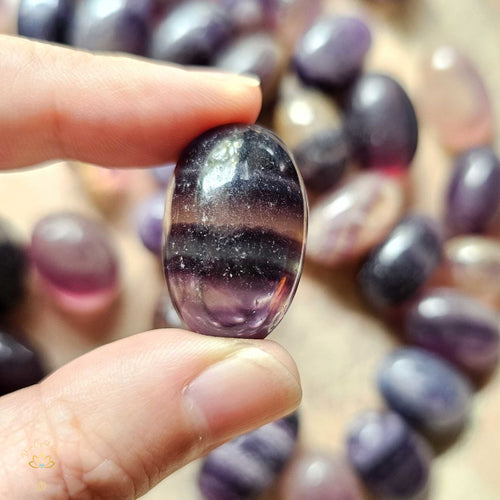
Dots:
pixel 123 417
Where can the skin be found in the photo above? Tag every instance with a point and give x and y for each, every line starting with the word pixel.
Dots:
pixel 124 416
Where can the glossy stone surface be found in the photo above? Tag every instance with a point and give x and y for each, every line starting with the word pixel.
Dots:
pixel 165 315
pixel 474 192
pixel 8 16
pixel 75 258
pixel 381 122
pixel 322 159
pixel 393 461
pixel 236 234
pixel 331 53
pixel 303 112
pixel 319 476
pixel 13 269
pixel 456 327
pixel 454 99
pixel 163 174
pixel 45 19
pixel 247 466
pixel 150 222
pixel 347 223
pixel 426 390
pixel 257 54
pixel 474 267
pixel 20 364
pixel 396 270
pixel 118 25
pixel 191 33
pixel 247 15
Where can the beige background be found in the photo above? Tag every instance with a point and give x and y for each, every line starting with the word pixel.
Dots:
pixel 336 343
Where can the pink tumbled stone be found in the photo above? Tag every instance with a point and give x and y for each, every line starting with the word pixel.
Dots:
pixel 345 224
pixel 319 476
pixel 474 267
pixel 8 16
pixel 455 101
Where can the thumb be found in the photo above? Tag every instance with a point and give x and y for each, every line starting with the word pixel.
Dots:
pixel 118 420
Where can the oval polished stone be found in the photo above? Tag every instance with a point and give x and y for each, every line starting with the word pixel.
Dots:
pixel 150 222
pixel 331 53
pixel 396 270
pixel 118 25
pixel 246 15
pixel 20 364
pixel 322 159
pixel 474 267
pixel 393 461
pixel 426 390
pixel 454 99
pixel 257 54
pixel 45 19
pixel 302 112
pixel 75 258
pixel 456 327
pixel 474 192
pixel 191 33
pixel 381 122
pixel 165 315
pixel 347 223
pixel 235 239
pixel 8 16
pixel 319 476
pixel 248 465
pixel 13 269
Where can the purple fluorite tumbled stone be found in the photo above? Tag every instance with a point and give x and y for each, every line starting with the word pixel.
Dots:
pixel 397 269
pixel 320 476
pixel 150 222
pixel 426 390
pixel 393 461
pixel 456 327
pixel 165 315
pixel 235 238
pixel 118 25
pixel 45 19
pixel 20 364
pixel 322 159
pixel 381 122
pixel 248 465
pixel 76 261
pixel 332 51
pixel 474 193
pixel 257 54
pixel 191 33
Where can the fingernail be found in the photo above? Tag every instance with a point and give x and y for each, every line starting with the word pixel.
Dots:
pixel 241 392
pixel 249 80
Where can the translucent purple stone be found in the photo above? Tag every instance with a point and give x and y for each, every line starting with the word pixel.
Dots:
pixel 320 476
pixel 426 390
pixel 235 238
pixel 13 269
pixel 165 315
pixel 20 364
pixel 246 15
pixel 257 54
pixel 150 222
pixel 76 261
pixel 392 460
pixel 396 270
pixel 456 327
pixel 163 174
pixel 118 25
pixel 45 19
pixel 192 33
pixel 474 192
pixel 381 123
pixel 322 159
pixel 248 465
pixel 332 51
